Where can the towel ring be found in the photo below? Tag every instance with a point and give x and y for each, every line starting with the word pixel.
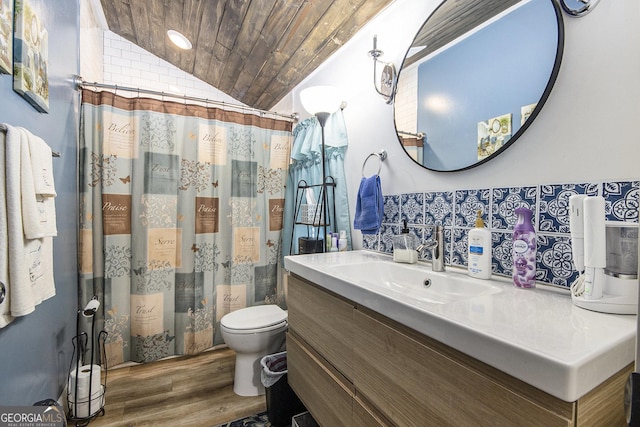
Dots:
pixel 381 155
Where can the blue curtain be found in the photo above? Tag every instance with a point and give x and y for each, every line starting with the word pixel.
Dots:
pixel 306 164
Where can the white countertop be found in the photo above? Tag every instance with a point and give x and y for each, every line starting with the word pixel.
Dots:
pixel 536 335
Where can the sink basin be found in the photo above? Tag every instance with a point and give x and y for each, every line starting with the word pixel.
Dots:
pixel 414 283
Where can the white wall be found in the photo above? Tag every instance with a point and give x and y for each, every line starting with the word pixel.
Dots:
pixel 92 25
pixel 127 64
pixel 587 130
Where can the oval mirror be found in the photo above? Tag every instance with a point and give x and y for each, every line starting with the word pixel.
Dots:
pixel 474 79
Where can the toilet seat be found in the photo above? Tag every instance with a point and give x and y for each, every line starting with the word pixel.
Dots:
pixel 261 318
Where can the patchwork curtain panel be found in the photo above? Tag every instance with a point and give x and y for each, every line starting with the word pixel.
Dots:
pixel 181 219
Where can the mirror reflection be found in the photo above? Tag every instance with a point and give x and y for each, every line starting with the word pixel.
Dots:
pixel 474 78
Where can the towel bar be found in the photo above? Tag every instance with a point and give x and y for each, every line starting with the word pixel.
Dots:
pixel 3 129
pixel 381 155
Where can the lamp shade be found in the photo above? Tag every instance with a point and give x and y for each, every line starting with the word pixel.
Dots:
pixel 320 99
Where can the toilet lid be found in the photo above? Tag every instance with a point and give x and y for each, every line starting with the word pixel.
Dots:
pixel 259 316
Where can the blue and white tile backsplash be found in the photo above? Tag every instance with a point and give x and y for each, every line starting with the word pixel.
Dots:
pixel 457 212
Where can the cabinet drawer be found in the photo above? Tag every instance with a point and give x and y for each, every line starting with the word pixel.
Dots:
pixel 328 397
pixel 415 385
pixel 365 416
pixel 322 320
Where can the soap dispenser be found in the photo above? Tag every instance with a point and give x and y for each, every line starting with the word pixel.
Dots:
pixel 404 246
pixel 479 250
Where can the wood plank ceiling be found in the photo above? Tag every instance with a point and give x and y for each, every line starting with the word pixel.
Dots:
pixel 452 19
pixel 256 51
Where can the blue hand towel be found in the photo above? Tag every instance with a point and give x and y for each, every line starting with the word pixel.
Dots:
pixel 369 206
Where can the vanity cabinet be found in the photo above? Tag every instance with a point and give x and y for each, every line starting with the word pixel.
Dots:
pixel 354 367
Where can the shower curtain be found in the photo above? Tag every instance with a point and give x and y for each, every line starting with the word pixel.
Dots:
pixel 306 164
pixel 181 219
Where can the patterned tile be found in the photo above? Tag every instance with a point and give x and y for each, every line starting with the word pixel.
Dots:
pixel 370 241
pixel 468 202
pixel 554 205
pixel 391 209
pixel 439 208
pixel 457 211
pixel 427 235
pixel 386 237
pixel 621 200
pixel 505 202
pixel 501 253
pixel 412 208
pixel 554 261
pixel 417 232
pixel 459 247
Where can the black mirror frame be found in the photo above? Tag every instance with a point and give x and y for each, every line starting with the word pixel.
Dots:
pixel 545 94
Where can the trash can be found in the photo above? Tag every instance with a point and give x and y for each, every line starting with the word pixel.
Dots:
pixel 303 420
pixel 282 402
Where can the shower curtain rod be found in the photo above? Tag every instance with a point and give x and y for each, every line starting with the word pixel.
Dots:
pixel 84 84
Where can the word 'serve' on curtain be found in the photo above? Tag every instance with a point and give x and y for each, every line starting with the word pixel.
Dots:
pixel 306 164
pixel 181 220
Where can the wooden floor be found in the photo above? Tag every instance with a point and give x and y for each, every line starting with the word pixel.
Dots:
pixel 183 391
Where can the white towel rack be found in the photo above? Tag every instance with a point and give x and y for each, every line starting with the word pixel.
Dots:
pixel 3 129
pixel 381 155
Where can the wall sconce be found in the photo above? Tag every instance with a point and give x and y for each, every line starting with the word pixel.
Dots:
pixel 387 78
pixel 577 8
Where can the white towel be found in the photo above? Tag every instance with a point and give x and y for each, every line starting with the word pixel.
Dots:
pixel 5 305
pixel 30 260
pixel 41 165
pixel 38 211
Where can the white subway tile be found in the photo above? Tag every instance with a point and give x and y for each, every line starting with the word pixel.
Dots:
pixel 121 62
pixel 112 51
pixel 168 79
pixel 149 75
pixel 176 72
pixel 131 72
pixel 133 56
pixel 113 69
pixel 139 65
pixel 186 83
pixel 121 44
pixel 149 59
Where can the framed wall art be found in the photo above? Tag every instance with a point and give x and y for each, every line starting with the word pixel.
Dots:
pixel 31 57
pixel 6 35
pixel 493 134
pixel 525 112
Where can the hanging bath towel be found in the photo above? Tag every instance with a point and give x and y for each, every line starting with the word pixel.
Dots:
pixel 369 206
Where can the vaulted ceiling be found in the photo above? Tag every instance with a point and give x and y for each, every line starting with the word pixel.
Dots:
pixel 452 19
pixel 256 51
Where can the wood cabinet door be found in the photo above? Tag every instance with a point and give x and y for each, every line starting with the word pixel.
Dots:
pixel 414 385
pixel 322 320
pixel 327 395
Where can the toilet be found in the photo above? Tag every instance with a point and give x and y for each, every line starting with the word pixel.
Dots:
pixel 253 332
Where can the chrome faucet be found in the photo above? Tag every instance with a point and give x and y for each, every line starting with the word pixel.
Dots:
pixel 435 244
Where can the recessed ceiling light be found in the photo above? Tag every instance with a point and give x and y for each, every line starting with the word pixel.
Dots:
pixel 179 39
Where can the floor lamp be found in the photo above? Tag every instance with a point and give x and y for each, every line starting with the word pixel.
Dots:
pixel 321 101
